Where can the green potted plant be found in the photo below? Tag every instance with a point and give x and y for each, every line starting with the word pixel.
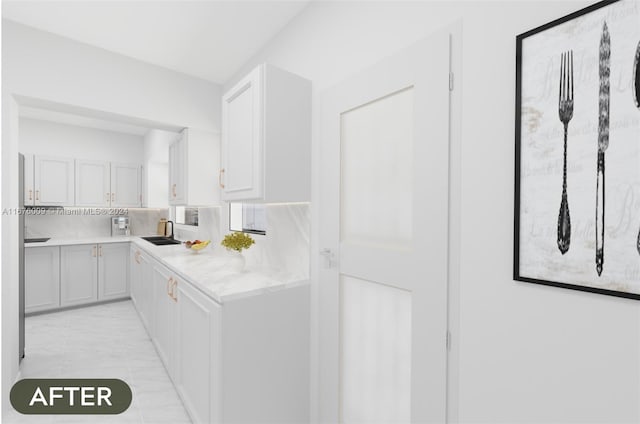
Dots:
pixel 237 242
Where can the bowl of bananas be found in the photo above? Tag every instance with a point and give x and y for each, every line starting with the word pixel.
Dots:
pixel 196 245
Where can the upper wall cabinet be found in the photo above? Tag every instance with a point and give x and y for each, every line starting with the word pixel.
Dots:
pixel 29 189
pixel 177 171
pixel 53 181
pixel 194 161
pixel 125 185
pixel 92 183
pixel 104 184
pixel 266 138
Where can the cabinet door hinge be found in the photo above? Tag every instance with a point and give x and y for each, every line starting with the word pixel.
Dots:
pixel 450 81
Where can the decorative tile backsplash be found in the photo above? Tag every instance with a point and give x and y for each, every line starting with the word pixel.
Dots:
pixel 286 244
pixel 144 222
pixel 80 223
pixel 208 227
pixel 284 247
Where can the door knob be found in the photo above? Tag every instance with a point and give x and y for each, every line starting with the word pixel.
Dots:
pixel 328 257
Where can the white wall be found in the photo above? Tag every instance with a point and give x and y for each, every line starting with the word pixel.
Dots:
pixel 8 250
pixel 44 66
pixel 51 69
pixel 527 353
pixel 156 167
pixel 55 139
pixel 156 145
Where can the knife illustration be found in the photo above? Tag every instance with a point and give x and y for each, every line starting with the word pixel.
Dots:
pixel 636 95
pixel 603 142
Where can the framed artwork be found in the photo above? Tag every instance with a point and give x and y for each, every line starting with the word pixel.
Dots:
pixel 577 164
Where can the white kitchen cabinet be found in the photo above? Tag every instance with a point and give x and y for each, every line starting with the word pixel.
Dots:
pixel 113 271
pixel 164 285
pixel 266 138
pixel 194 162
pixel 142 289
pixel 134 274
pixel 93 272
pixel 92 183
pixel 105 184
pixel 29 190
pixel 141 274
pixel 261 366
pixel 125 185
pixel 78 274
pixel 244 361
pixel 197 344
pixel 177 171
pixel 53 181
pixel 42 278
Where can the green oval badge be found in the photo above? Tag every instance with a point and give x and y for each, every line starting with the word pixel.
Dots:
pixel 71 396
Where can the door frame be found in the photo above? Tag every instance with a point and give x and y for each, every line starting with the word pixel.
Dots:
pixel 454 234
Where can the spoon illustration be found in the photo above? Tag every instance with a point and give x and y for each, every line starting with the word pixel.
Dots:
pixel 636 94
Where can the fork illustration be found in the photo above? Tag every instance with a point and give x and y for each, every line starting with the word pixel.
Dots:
pixel 565 110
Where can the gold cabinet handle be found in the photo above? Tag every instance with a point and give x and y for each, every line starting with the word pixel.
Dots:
pixel 37 194
pixel 99 250
pixel 169 282
pixel 30 194
pixel 173 291
pixel 173 190
pixel 220 174
pixel 113 197
pixel 93 251
pixel 136 257
pixel 108 197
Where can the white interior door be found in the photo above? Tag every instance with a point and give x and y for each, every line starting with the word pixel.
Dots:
pixel 384 237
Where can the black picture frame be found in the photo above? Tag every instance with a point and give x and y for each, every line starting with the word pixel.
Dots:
pixel 521 253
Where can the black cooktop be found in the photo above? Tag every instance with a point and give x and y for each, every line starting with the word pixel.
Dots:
pixel 36 240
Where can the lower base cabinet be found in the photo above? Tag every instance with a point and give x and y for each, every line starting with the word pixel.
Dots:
pixel 78 274
pixel 142 291
pixel 165 315
pixel 73 275
pixel 113 271
pixel 196 351
pixel 134 274
pixel 41 278
pixel 262 361
pixel 246 360
pixel 93 272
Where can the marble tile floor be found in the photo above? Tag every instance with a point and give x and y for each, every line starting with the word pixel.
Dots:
pixel 103 341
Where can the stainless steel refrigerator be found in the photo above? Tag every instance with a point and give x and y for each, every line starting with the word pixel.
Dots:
pixel 21 256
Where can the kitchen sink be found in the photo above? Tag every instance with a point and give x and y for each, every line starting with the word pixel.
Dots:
pixel 161 241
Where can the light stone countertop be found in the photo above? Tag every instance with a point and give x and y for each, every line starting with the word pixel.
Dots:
pixel 54 241
pixel 213 270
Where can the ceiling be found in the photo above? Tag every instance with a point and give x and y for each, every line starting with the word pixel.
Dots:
pixel 206 38
pixel 81 121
